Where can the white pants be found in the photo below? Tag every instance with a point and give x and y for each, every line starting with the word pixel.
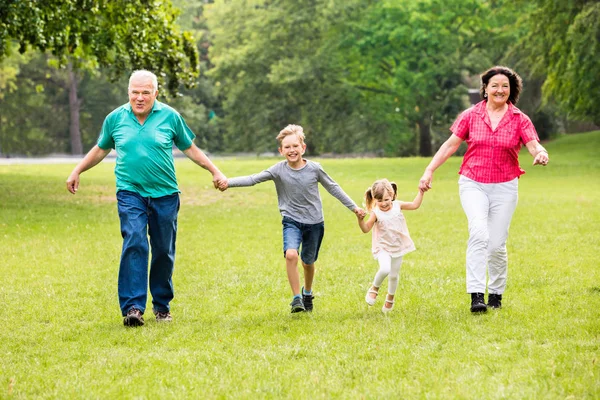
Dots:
pixel 388 266
pixel 489 208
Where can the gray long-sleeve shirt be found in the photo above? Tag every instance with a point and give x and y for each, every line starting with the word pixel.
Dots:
pixel 298 190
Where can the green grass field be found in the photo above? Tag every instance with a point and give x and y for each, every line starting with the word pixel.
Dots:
pixel 233 336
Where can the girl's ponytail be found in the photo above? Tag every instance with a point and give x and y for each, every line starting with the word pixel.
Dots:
pixel 368 199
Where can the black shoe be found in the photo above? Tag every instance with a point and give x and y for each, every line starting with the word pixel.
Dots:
pixel 307 299
pixel 495 300
pixel 163 316
pixel 133 318
pixel 297 305
pixel 478 303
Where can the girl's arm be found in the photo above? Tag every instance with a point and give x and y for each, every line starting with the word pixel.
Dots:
pixel 413 205
pixel 366 226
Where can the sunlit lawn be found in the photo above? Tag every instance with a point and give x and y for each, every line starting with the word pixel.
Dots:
pixel 233 336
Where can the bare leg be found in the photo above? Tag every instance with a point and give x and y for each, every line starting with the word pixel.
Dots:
pixel 291 264
pixel 309 275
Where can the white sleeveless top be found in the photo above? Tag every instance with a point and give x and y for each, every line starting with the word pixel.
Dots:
pixel 390 232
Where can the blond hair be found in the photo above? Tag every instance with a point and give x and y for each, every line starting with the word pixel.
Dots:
pixel 379 189
pixel 291 130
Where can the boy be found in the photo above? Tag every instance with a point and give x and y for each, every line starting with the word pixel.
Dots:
pixel 296 182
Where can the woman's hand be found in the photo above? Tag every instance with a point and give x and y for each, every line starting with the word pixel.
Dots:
pixel 541 158
pixel 425 181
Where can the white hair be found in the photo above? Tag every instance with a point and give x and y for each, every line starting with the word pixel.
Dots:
pixel 142 73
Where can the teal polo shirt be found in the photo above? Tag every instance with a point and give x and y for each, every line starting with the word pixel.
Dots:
pixel 145 162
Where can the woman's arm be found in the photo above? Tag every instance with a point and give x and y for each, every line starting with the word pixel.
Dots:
pixel 446 150
pixel 366 226
pixel 538 152
pixel 413 205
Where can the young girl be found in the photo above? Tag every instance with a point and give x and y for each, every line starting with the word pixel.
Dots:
pixel 391 240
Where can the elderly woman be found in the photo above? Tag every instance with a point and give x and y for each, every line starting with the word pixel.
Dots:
pixel 495 131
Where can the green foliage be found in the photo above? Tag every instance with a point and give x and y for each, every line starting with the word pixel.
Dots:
pixel 411 57
pixel 121 35
pixel 233 335
pixel 35 113
pixel 563 45
pixel 275 64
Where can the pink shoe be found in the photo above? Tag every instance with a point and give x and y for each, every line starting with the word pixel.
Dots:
pixel 384 309
pixel 371 300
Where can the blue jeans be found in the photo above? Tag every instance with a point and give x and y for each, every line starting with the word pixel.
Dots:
pixel 142 217
pixel 309 235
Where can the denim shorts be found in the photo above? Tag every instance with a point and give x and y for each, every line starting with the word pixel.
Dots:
pixel 309 235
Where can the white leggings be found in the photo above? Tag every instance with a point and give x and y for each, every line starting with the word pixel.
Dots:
pixel 388 265
pixel 489 208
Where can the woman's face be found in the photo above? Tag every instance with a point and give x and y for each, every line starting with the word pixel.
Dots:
pixel 498 89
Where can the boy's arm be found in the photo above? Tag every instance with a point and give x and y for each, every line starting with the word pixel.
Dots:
pixel 413 205
pixel 366 226
pixel 250 180
pixel 336 191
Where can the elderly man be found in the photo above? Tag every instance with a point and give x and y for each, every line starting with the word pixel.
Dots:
pixel 143 133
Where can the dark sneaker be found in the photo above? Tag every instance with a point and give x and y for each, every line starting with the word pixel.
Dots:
pixel 297 305
pixel 495 300
pixel 478 303
pixel 163 316
pixel 133 318
pixel 307 299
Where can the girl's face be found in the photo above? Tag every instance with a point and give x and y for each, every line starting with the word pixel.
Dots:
pixel 385 203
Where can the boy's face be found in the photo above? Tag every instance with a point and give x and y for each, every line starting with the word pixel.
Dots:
pixel 292 149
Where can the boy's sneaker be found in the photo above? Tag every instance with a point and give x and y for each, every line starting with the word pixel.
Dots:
pixel 133 318
pixel 297 305
pixel 495 300
pixel 307 299
pixel 478 303
pixel 163 316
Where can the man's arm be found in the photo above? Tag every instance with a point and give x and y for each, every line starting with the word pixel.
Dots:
pixel 197 156
pixel 91 159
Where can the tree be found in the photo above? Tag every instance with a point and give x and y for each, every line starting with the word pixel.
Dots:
pixel 562 46
pixel 412 57
pixel 119 34
pixel 275 63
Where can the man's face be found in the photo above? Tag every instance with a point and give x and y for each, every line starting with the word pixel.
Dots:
pixel 141 96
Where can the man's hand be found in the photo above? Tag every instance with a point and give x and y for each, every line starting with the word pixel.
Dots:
pixel 218 178
pixel 73 182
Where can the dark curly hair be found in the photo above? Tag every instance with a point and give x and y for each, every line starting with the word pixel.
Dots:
pixel 516 83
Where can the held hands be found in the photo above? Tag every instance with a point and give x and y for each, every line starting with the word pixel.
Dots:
pixel 360 213
pixel 541 158
pixel 218 180
pixel 425 181
pixel 223 185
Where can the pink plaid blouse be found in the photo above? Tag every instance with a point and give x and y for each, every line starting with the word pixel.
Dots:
pixel 493 155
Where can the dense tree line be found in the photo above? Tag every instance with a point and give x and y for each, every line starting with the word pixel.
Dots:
pixel 384 77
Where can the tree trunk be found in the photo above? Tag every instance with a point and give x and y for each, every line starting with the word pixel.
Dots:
pixel 74 105
pixel 424 126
